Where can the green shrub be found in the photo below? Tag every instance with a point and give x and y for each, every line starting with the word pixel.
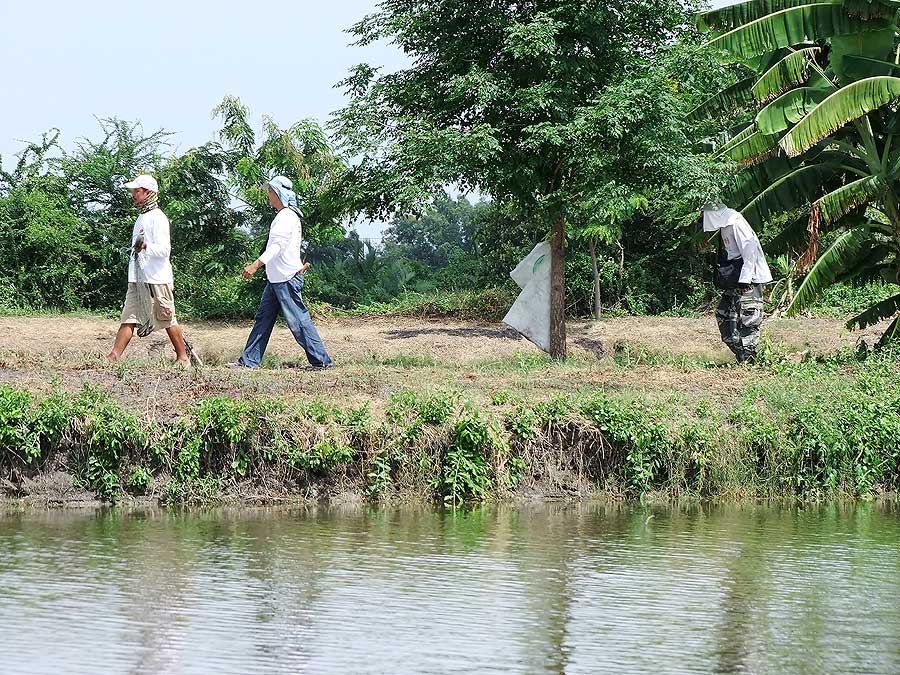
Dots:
pixel 139 479
pixel 324 457
pixel 18 437
pixel 464 472
pixel 633 430
pixel 111 434
pixel 846 299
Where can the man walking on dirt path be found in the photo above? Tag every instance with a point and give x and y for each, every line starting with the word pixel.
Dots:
pixel 741 274
pixel 149 272
pixel 285 273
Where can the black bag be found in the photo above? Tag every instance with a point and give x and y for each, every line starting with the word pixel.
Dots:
pixel 728 270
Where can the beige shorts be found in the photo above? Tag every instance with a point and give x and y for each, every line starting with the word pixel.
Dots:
pixel 163 301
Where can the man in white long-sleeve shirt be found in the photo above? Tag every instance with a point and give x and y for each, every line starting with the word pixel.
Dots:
pixel 283 292
pixel 151 246
pixel 742 274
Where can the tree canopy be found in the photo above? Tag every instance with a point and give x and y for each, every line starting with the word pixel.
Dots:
pixel 511 99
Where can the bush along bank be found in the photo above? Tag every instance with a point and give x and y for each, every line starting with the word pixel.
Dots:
pixel 809 441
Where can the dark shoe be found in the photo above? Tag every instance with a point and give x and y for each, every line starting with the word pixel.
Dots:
pixel 324 366
pixel 235 365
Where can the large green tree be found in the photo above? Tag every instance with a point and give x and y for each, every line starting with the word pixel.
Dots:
pixel 302 152
pixel 640 162
pixel 814 122
pixel 490 101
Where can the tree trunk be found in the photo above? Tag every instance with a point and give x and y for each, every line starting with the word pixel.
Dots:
pixel 598 305
pixel 558 291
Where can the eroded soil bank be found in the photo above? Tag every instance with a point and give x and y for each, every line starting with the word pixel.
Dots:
pixel 430 411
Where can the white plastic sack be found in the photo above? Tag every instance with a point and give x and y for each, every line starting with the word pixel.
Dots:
pixel 530 314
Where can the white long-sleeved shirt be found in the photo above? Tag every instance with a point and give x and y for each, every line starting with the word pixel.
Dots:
pixel 282 254
pixel 153 226
pixel 740 240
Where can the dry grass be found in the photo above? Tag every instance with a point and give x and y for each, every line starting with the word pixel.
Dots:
pixel 657 357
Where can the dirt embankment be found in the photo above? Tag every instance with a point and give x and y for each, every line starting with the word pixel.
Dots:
pixel 657 358
pixel 43 339
pixel 377 357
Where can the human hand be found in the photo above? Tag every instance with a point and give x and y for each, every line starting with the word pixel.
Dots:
pixel 250 270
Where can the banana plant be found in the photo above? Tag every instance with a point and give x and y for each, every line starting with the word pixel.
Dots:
pixel 782 293
pixel 818 116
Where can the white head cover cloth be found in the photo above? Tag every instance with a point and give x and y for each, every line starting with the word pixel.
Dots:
pixel 715 217
pixel 283 187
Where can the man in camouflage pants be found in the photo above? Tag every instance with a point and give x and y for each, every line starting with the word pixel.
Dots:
pixel 740 315
pixel 742 274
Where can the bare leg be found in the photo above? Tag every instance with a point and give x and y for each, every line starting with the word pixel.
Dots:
pixel 123 337
pixel 177 338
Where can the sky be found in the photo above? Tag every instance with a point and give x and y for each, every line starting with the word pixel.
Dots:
pixel 167 63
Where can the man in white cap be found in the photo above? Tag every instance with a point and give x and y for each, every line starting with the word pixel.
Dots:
pixel 284 271
pixel 149 266
pixel 741 274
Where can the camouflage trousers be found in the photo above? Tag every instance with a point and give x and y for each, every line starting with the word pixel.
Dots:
pixel 740 318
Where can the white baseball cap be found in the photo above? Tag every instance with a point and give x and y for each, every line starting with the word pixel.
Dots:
pixel 145 181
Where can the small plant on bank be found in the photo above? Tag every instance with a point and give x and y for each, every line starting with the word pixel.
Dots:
pixel 524 423
pixel 139 479
pixel 111 434
pixel 632 429
pixel 17 434
pixel 464 471
pixel 503 397
pixel 324 457
pixel 437 409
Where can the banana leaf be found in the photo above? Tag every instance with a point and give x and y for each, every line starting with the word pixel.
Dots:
pixel 836 261
pixel 888 65
pixel 789 72
pixel 845 105
pixel 726 101
pixel 731 134
pixel 736 139
pixel 839 203
pixel 762 63
pixel 871 266
pixel 754 147
pixel 754 179
pixel 728 18
pixel 813 21
pixel 788 109
pixel 871 9
pixel 791 239
pixel 788 193
pixel 891 334
pixel 846 51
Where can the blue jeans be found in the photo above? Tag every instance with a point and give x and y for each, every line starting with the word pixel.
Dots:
pixel 285 296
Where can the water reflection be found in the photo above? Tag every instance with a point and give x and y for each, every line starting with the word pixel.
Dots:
pixel 549 589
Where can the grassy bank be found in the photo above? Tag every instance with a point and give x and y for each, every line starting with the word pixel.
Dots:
pixel 814 430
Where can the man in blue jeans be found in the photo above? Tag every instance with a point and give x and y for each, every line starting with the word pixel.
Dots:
pixel 285 283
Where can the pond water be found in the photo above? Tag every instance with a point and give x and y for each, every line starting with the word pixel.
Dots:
pixel 548 589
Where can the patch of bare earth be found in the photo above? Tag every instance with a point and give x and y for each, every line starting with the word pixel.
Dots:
pixel 377 357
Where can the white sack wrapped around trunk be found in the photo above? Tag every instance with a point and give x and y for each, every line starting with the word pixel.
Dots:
pixel 530 314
